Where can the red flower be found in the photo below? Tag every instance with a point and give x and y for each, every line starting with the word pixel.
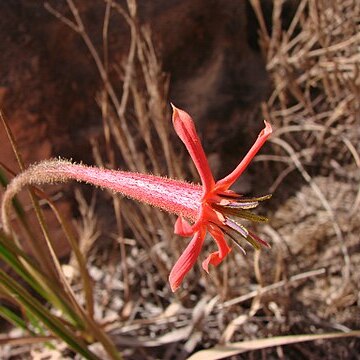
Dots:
pixel 218 204
pixel 210 207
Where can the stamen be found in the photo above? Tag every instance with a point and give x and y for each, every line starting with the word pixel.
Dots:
pixel 241 202
pixel 242 205
pixel 250 237
pixel 234 240
pixel 236 227
pixel 253 242
pixel 258 199
pixel 259 240
pixel 231 236
pixel 240 213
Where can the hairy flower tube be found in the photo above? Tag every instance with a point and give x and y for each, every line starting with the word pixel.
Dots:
pixel 211 207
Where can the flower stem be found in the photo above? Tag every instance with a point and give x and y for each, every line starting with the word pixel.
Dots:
pixel 174 196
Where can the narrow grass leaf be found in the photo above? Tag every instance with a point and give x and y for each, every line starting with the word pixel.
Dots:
pixel 221 352
pixel 54 324
pixel 27 269
pixel 14 319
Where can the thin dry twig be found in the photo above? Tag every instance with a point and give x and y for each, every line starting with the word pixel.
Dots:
pixel 327 207
pixel 274 286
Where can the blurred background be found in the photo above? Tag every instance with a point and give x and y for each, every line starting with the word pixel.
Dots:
pixel 92 82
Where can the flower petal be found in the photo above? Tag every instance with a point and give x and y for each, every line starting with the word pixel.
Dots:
pixel 182 227
pixel 185 129
pixel 187 259
pixel 216 257
pixel 228 180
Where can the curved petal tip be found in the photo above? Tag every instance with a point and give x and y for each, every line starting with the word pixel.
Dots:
pixel 187 260
pixel 267 130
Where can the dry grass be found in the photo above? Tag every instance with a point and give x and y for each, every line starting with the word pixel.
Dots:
pixel 308 282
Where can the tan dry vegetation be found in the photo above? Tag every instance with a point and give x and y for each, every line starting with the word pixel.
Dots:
pixel 308 282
